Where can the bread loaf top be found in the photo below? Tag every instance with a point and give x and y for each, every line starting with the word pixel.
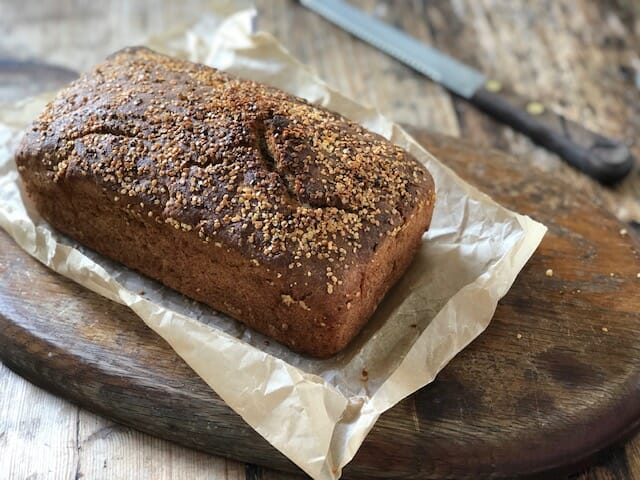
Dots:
pixel 241 165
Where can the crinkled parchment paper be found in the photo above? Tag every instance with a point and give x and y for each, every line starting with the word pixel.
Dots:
pixel 316 412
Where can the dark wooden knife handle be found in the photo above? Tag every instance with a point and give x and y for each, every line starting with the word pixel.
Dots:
pixel 600 157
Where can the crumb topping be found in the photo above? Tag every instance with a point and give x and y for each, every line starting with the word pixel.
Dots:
pixel 238 163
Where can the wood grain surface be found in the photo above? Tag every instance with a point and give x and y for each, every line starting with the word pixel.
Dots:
pixel 580 56
pixel 554 380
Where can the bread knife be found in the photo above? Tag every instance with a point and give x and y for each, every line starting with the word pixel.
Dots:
pixel 603 158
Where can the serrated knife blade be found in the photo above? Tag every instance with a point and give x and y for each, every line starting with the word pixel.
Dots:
pixel 454 75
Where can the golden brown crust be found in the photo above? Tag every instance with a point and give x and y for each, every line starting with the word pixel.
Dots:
pixel 302 218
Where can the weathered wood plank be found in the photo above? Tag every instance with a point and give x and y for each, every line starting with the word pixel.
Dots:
pixel 109 451
pixel 78 33
pixel 37 431
pixel 44 436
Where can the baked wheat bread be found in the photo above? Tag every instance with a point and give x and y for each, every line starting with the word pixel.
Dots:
pixel 284 215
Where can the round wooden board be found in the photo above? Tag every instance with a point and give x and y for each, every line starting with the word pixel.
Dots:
pixel 553 380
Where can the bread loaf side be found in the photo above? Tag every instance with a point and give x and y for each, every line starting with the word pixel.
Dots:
pixel 286 216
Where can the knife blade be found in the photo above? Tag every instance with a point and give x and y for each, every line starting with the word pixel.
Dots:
pixel 604 159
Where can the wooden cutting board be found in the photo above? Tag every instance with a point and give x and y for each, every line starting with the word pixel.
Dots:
pixel 553 380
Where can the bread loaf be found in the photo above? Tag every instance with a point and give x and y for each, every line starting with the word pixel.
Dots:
pixel 284 215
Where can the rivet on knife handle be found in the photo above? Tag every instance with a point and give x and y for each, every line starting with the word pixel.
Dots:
pixel 602 158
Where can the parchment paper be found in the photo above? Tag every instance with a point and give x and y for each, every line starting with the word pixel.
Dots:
pixel 316 412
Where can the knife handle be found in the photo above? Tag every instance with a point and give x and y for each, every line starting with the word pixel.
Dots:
pixel 600 157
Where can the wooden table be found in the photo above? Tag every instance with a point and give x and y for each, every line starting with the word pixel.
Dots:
pixel 579 55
